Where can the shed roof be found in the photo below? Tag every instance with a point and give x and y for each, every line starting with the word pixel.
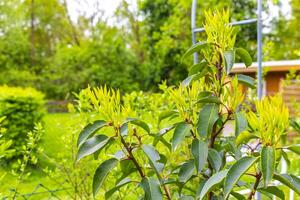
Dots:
pixel 275 66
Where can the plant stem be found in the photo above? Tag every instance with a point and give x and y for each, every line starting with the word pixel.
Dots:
pixel 131 157
pixel 252 193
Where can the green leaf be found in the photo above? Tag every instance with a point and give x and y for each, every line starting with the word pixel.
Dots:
pixel 166 114
pixel 209 99
pixel 90 130
pixel 101 173
pixel 200 153
pixel 186 171
pixel 204 94
pixel 186 82
pixel 237 196
pixel 235 172
pixel 246 80
pixel 244 137
pixel 286 158
pixel 153 157
pixel 290 181
pixel 124 129
pixel 240 123
pixel 186 198
pixel 139 123
pixel 127 167
pixel 272 190
pixel 159 137
pixel 229 57
pixel 122 183
pixel 182 129
pixel 267 163
pixel 206 119
pixel 213 181
pixel 244 55
pixel 92 145
pixel 195 48
pixel 214 159
pixel 294 148
pixel 152 189
pixel 196 68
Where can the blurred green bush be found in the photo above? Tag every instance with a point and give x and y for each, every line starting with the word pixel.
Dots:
pixel 22 108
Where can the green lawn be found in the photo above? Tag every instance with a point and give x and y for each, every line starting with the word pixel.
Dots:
pixel 56 127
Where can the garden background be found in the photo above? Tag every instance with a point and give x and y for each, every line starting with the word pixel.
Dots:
pixel 137 50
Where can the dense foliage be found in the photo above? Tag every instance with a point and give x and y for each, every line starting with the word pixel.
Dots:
pixel 22 109
pixel 185 153
pixel 42 47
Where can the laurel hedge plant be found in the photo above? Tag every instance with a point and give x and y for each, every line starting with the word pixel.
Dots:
pixel 188 154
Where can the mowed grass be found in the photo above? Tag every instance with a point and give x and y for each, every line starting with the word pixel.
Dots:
pixel 56 127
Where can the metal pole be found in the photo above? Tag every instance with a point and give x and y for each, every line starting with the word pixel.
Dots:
pixel 242 22
pixel 193 26
pixel 259 49
pixel 259 60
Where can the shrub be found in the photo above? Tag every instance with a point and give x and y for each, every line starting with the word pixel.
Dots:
pixel 191 156
pixel 22 108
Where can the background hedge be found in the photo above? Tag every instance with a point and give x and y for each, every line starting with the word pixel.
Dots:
pixel 22 108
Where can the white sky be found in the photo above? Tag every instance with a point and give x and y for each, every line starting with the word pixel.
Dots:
pixel 89 6
pixel 109 6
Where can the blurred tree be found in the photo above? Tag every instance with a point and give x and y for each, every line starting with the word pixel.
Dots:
pixel 41 46
pixel 284 34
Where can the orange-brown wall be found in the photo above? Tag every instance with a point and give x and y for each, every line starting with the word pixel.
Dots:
pixel 272 81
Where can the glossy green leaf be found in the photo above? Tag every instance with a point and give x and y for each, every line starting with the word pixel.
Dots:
pixel 294 148
pixel 124 129
pixel 267 163
pixel 92 145
pixel 195 48
pixel 186 198
pixel 214 159
pixel 229 57
pixel 213 181
pixel 182 129
pixel 200 153
pixel 166 114
pixel 186 171
pixel 152 189
pixel 209 99
pixel 237 196
pixel 122 183
pixel 240 123
pixel 244 55
pixel 206 119
pixel 101 173
pixel 272 190
pixel 235 172
pixel 139 123
pixel 285 157
pixel 159 137
pixel 246 80
pixel 153 157
pixel 90 130
pixel 186 82
pixel 196 68
pixel 244 137
pixel 204 94
pixel 290 181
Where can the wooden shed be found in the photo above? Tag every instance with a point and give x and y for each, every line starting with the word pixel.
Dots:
pixel 275 72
